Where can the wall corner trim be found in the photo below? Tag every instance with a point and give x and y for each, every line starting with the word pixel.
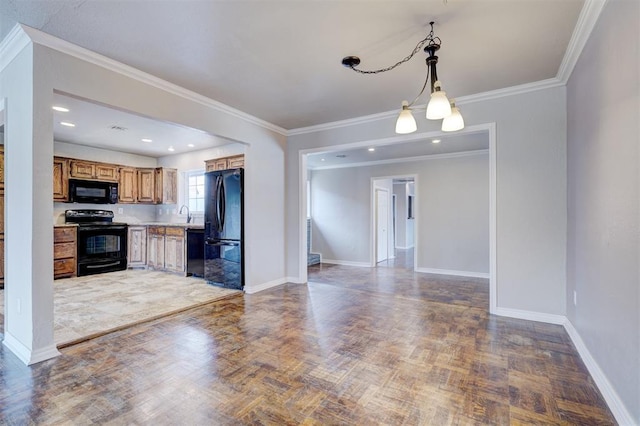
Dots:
pixel 26 355
pixel 586 22
pixel 12 45
pixel 614 402
pixel 87 55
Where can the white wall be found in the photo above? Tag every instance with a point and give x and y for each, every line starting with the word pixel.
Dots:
pixel 530 196
pixel 28 83
pixel 603 185
pixel 452 204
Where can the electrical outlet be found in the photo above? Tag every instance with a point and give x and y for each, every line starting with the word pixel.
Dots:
pixel 18 306
pixel 120 210
pixel 575 298
pixel 160 211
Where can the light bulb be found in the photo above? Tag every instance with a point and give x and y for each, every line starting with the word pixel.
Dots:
pixel 406 123
pixel 454 121
pixel 438 106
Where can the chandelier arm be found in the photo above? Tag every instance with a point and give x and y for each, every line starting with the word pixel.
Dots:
pixel 424 86
pixel 406 59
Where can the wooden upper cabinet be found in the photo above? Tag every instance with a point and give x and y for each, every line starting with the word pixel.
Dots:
pixel 82 169
pixel 166 186
pixel 60 179
pixel 107 172
pixel 128 185
pixel 146 186
pixel 235 162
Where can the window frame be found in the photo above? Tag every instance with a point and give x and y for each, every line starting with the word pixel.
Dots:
pixel 187 185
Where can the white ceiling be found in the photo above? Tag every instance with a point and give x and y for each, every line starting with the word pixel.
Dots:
pixel 449 144
pixel 280 60
pixel 104 127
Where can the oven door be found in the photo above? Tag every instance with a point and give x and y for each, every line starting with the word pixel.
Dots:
pixel 101 248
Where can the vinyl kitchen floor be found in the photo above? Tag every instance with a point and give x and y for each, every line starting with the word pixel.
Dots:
pixel 86 307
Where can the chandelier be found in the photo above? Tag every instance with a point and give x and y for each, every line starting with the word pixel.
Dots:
pixel 439 106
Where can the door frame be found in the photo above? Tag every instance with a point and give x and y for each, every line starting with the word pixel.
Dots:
pixel 374 235
pixel 490 128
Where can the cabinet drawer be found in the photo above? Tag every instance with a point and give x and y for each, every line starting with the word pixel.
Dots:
pixel 64 234
pixel 156 230
pixel 61 250
pixel 64 267
pixel 175 231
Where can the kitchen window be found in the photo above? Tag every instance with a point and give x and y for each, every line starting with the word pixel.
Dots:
pixel 195 191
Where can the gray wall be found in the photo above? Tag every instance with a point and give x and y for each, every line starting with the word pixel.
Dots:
pixel 452 204
pixel 603 212
pixel 531 191
pixel 400 191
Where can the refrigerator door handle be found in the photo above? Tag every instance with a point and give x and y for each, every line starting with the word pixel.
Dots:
pixel 218 197
pixel 223 203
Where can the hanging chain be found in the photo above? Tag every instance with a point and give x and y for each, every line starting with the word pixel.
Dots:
pixel 433 41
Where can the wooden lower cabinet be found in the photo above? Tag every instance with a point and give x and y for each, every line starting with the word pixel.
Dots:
pixel 166 249
pixel 137 247
pixel 155 247
pixel 64 251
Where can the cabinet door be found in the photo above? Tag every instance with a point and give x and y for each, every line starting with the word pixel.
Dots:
pixel 137 250
pixel 174 253
pixel 107 172
pixel 155 251
pixel 236 162
pixel 166 186
pixel 210 165
pixel 82 169
pixel 2 164
pixel 220 164
pixel 146 186
pixel 127 185
pixel 60 179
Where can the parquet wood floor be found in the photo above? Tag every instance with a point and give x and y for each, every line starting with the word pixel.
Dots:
pixel 355 346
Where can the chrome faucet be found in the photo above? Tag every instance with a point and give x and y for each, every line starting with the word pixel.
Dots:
pixel 184 206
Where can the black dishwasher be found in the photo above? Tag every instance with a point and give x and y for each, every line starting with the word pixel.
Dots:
pixel 195 252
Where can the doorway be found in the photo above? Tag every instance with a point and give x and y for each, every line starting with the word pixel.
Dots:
pixel 382 225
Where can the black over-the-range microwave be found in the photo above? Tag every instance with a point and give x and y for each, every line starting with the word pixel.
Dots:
pixel 93 192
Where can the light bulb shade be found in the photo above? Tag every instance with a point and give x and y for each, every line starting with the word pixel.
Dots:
pixel 438 106
pixel 406 123
pixel 454 121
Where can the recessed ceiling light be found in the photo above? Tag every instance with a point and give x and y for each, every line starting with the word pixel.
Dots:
pixel 60 109
pixel 66 123
pixel 171 149
pixel 322 159
pixel 371 149
pixel 435 141
pixel 146 140
pixel 191 145
pixel 341 156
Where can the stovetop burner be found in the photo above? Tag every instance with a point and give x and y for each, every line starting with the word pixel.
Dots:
pixel 90 217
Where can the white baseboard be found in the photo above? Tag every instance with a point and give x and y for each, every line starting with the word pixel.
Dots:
pixel 346 263
pixel 261 287
pixel 452 272
pixel 617 407
pixel 530 315
pixel 26 355
pixel 295 280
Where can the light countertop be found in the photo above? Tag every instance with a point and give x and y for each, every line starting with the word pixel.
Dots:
pixel 172 224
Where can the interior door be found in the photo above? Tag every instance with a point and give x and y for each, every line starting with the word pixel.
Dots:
pixel 382 225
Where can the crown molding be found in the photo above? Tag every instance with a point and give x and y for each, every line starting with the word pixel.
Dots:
pixel 586 22
pixel 86 55
pixel 405 159
pixel 12 45
pixel 484 96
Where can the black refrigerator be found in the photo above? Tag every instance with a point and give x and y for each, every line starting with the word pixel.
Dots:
pixel 224 228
